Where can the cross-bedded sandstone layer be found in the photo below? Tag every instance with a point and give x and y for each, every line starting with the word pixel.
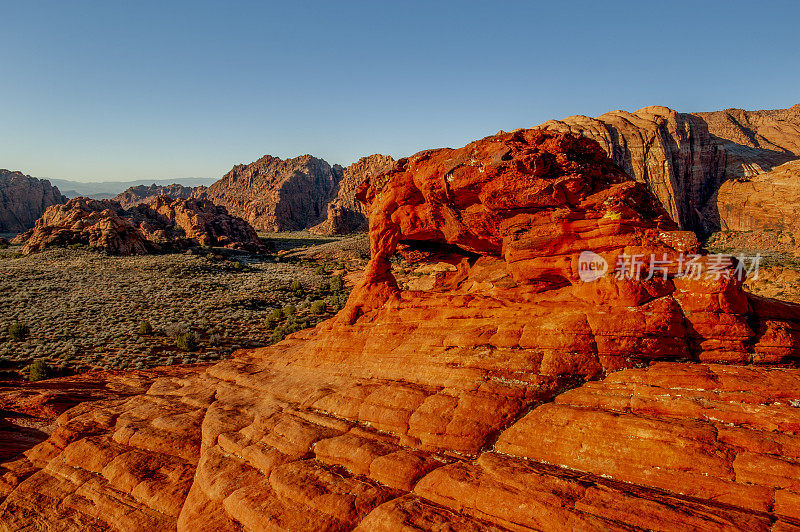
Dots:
pixel 508 395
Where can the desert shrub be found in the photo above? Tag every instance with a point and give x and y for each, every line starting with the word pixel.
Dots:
pixel 338 301
pixel 18 331
pixel 296 287
pixel 215 339
pixel 186 341
pixel 336 283
pixel 277 335
pixel 318 307
pixel 289 310
pixel 273 318
pixel 173 330
pixel 38 370
pixel 321 270
pixel 145 328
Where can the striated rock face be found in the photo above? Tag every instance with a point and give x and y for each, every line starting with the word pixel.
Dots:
pixel 685 157
pixel 274 194
pixel 765 203
pixel 158 223
pixel 141 194
pixel 28 411
pixel 450 408
pixel 345 213
pixel 23 199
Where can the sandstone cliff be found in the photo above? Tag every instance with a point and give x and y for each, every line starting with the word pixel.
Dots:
pixel 345 213
pixel 508 395
pixel 761 210
pixel 137 195
pixel 685 157
pixel 275 194
pixel 23 199
pixel 159 223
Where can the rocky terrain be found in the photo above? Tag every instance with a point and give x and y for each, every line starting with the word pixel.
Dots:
pixel 137 195
pixel 685 157
pixel 345 213
pixel 23 199
pixel 158 224
pixel 500 392
pixel 275 194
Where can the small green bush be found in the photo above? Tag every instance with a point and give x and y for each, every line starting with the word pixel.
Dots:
pixel 337 283
pixel 186 341
pixel 18 331
pixel 277 335
pixel 289 310
pixel 318 307
pixel 145 328
pixel 321 270
pixel 38 370
pixel 273 318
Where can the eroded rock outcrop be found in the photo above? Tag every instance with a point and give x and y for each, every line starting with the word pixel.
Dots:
pixel 142 194
pixel 449 407
pixel 160 223
pixel 685 157
pixel 275 194
pixel 23 199
pixel 764 207
pixel 345 213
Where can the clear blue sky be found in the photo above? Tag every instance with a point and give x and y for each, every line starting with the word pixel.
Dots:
pixel 118 90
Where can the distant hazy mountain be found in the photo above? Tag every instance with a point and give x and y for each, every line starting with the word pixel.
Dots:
pixel 109 189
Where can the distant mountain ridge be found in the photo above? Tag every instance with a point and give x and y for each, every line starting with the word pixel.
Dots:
pixel 683 157
pixel 141 193
pixel 109 189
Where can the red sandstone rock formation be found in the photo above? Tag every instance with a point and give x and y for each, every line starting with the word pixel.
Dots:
pixel 765 206
pixel 160 222
pixel 685 157
pixel 274 194
pixel 142 194
pixel 345 213
pixel 23 199
pixel 451 408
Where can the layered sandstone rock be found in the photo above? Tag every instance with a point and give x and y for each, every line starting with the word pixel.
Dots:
pixel 142 194
pixel 159 223
pixel 449 408
pixel 275 194
pixel 23 199
pixel 345 213
pixel 765 203
pixel 685 157
pixel 28 411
